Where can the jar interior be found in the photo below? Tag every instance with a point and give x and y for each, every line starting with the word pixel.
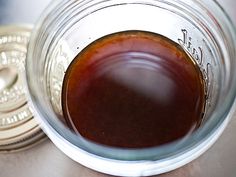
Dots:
pixel 84 28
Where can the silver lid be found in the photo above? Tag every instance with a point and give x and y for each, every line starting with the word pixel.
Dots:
pixel 18 128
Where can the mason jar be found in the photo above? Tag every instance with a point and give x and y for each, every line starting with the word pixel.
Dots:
pixel 201 27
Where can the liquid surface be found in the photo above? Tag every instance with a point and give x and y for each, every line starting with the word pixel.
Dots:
pixel 133 89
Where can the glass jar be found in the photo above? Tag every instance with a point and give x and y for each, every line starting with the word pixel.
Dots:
pixel 201 27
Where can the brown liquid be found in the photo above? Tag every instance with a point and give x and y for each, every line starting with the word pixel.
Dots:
pixel 133 89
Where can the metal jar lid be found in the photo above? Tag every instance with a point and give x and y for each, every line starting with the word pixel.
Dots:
pixel 18 128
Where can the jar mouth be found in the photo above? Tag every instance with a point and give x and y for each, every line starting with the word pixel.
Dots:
pixel 54 127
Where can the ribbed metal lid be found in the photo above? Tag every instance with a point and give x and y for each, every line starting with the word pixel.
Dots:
pixel 18 128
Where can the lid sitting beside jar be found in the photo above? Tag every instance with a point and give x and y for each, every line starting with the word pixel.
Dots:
pixel 18 128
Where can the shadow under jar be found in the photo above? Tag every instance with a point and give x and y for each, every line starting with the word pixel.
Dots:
pixel 201 29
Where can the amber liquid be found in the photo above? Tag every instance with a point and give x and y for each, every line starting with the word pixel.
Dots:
pixel 133 89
